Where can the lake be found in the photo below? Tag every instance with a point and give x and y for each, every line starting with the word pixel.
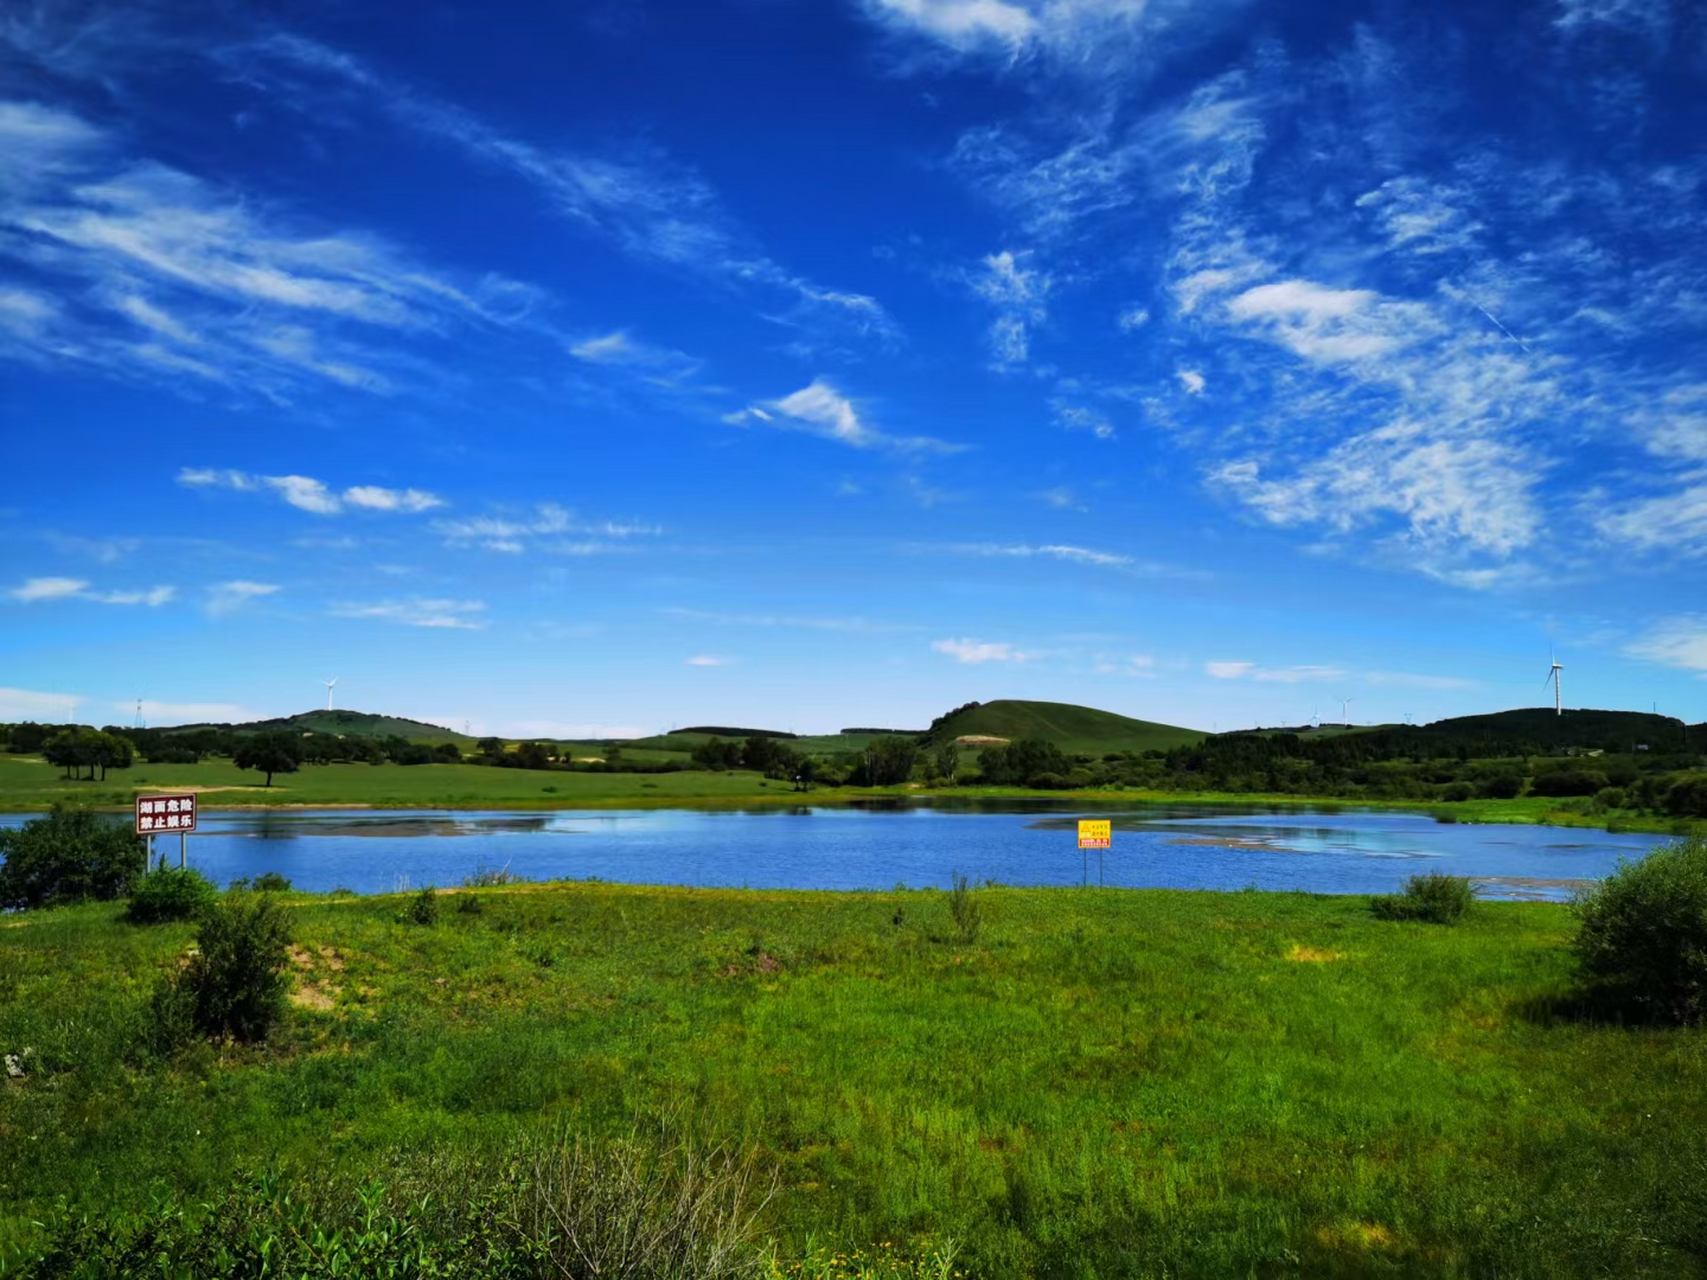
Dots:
pixel 918 845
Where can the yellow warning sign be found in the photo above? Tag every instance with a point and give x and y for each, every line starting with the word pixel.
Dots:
pixel 1094 833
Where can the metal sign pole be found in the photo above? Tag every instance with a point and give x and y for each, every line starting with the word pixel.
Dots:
pixel 183 848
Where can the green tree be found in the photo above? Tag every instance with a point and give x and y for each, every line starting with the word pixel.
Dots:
pixel 948 760
pixel 112 751
pixel 72 750
pixel 887 762
pixel 270 753
pixel 67 856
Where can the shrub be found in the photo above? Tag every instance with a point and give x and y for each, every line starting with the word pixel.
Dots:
pixel 1501 786
pixel 234 984
pixel 1436 898
pixel 1611 798
pixel 964 908
pixel 1644 933
pixel 469 904
pixel 1457 792
pixel 68 856
pixel 647 1205
pixel 1568 782
pixel 485 877
pixel 170 895
pixel 266 882
pixel 423 908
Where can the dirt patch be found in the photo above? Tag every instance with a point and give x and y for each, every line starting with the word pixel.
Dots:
pixel 333 960
pixel 1363 1236
pixel 1313 955
pixel 310 996
pixel 979 740
pixel 767 963
pixel 299 957
pixel 196 786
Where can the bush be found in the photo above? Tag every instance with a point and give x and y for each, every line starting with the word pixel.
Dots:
pixel 1569 782
pixel 1457 792
pixel 70 855
pixel 1435 898
pixel 648 1205
pixel 423 908
pixel 170 895
pixel 1501 786
pixel 234 984
pixel 1644 933
pixel 963 907
pixel 266 882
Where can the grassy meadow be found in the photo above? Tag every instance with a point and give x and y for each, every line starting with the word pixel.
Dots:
pixel 1101 1083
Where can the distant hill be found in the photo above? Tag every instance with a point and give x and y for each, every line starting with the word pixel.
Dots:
pixel 1071 728
pixel 348 724
pixel 1616 731
pixel 723 731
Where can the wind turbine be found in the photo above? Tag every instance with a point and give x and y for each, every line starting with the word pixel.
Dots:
pixel 1553 675
pixel 1345 715
pixel 329 684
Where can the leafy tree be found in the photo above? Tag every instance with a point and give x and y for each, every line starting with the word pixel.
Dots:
pixel 69 855
pixel 1030 761
pixel 887 762
pixel 72 750
pixel 715 753
pixel 491 748
pixel 948 760
pixel 533 755
pixel 269 753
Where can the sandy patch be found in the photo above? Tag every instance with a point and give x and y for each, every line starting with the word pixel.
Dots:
pixel 311 997
pixel 979 740
pixel 1313 955
pixel 308 992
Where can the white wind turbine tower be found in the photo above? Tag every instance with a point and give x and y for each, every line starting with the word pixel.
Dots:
pixel 1553 675
pixel 329 684
pixel 1345 711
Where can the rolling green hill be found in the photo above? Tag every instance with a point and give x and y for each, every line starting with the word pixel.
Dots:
pixel 349 724
pixel 1616 731
pixel 1071 728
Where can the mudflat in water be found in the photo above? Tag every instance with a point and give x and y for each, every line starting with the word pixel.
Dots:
pixel 880 846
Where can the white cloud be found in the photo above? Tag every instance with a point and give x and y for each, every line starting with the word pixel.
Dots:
pixel 1191 380
pixel 1078 418
pixel 1675 521
pixel 49 589
pixel 459 615
pixel 160 274
pixel 978 651
pixel 707 660
pixel 1677 642
pixel 305 494
pixel 38 589
pixel 377 499
pixel 1134 317
pixel 544 530
pixel 227 597
pixel 32 704
pixel 647 205
pixel 1228 670
pixel 1019 294
pixel 823 411
pixel 1051 551
pixel 311 495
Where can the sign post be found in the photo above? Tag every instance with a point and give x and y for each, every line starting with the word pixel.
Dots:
pixel 1094 833
pixel 167 813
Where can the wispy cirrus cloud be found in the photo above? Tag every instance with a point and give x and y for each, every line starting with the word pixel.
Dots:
pixel 1679 642
pixel 821 410
pixel 707 660
pixel 444 614
pixel 228 597
pixel 150 271
pixel 1018 293
pixel 36 590
pixel 548 527
pixel 308 494
pixel 651 207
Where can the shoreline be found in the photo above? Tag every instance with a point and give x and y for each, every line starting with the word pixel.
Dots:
pixel 1472 812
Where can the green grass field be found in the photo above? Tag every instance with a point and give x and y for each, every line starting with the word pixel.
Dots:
pixel 1104 1083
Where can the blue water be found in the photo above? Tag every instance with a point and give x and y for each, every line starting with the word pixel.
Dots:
pixel 1345 851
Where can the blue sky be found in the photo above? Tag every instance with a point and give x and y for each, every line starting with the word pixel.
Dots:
pixel 590 368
